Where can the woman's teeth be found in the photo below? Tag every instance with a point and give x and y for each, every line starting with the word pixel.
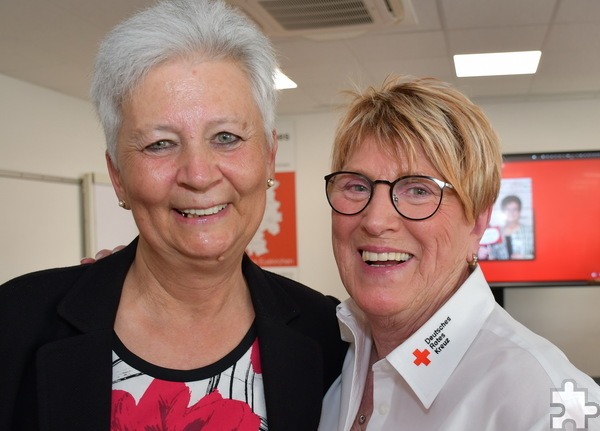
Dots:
pixel 368 256
pixel 202 212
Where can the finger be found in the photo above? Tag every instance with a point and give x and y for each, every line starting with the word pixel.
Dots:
pixel 117 248
pixel 103 253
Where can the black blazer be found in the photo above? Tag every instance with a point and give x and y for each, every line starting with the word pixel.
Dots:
pixel 56 329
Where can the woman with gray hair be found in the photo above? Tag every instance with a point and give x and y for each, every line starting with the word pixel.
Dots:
pixel 180 330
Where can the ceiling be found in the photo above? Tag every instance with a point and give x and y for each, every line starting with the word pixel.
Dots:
pixel 52 43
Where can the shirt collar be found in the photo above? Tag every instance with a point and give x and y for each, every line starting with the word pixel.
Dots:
pixel 352 321
pixel 429 356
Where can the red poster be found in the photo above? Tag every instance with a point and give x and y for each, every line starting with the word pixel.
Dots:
pixel 274 244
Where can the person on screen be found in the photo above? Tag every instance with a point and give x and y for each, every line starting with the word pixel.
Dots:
pixel 517 238
pixel 180 329
pixel 416 170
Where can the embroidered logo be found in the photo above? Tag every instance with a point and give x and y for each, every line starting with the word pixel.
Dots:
pixel 421 357
pixel 438 339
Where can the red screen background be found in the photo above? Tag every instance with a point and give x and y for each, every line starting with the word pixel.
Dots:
pixel 566 216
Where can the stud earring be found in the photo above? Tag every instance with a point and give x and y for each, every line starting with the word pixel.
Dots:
pixel 270 183
pixel 122 204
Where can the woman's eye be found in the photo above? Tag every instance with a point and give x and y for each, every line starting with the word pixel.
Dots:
pixel 226 138
pixel 359 188
pixel 158 145
pixel 418 191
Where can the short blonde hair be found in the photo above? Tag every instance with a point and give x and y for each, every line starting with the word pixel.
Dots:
pixel 408 114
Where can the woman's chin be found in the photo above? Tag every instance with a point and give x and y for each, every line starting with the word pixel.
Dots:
pixel 380 304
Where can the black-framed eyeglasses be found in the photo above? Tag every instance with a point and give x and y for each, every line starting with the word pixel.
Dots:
pixel 415 197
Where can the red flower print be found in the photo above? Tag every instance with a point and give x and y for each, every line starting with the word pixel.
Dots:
pixel 164 407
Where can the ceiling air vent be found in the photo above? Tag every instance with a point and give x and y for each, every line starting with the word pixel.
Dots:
pixel 326 18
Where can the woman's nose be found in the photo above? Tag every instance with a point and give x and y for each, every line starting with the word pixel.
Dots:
pixel 380 215
pixel 196 168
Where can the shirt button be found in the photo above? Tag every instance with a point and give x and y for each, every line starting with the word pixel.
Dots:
pixel 384 409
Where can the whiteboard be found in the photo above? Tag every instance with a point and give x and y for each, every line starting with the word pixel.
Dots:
pixel 106 224
pixel 40 225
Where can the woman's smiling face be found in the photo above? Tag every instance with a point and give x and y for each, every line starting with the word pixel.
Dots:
pixel 432 252
pixel 193 160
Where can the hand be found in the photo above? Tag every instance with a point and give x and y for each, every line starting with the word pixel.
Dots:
pixel 101 255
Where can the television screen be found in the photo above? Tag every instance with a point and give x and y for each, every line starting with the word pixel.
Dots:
pixel 545 225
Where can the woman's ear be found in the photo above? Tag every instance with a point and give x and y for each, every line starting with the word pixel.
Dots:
pixel 482 221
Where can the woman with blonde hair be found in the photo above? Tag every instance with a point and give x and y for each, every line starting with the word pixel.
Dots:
pixel 416 172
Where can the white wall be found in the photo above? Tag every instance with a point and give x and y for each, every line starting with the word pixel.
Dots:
pixel 43 132
pixel 48 133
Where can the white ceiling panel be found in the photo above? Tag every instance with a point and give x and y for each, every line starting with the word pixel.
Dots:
pixel 439 67
pixel 496 13
pixel 578 11
pixel 409 46
pixel 497 39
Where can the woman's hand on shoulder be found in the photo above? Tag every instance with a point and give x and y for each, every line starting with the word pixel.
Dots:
pixel 101 254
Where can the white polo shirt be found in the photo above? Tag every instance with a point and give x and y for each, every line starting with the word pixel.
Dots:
pixel 470 367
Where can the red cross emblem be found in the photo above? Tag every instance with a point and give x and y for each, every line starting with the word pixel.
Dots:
pixel 421 357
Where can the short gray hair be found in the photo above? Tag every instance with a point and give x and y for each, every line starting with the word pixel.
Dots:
pixel 180 28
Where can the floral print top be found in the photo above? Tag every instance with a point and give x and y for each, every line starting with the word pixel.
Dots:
pixel 227 395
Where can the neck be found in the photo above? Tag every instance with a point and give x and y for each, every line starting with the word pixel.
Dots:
pixel 184 286
pixel 193 296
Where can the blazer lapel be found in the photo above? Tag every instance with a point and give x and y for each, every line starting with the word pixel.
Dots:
pixel 293 378
pixel 75 372
pixel 75 378
pixel 291 362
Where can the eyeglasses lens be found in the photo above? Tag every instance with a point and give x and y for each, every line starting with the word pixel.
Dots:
pixel 414 197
